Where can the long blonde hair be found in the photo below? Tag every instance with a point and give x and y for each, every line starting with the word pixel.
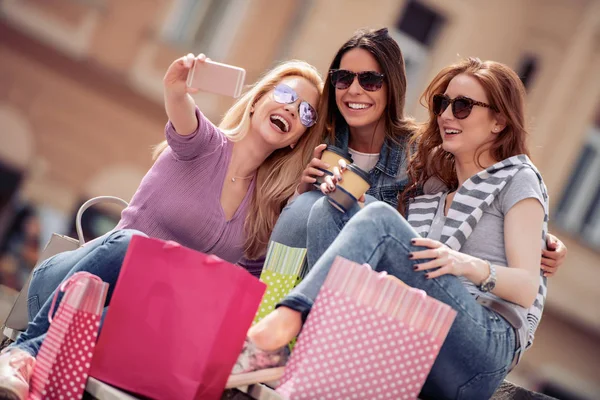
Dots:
pixel 278 176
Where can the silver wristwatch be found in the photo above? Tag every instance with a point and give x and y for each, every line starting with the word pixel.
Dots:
pixel 489 283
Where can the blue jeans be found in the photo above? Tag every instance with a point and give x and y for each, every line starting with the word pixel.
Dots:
pixel 291 228
pixel 102 257
pixel 480 345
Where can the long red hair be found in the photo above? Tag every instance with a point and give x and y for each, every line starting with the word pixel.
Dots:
pixel 505 92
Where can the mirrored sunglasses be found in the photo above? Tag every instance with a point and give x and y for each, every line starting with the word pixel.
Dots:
pixel 283 94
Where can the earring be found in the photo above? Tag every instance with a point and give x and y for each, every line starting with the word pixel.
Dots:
pixel 292 146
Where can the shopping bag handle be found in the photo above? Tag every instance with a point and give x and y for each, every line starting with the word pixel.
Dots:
pixel 397 281
pixel 65 285
pixel 209 258
pixel 88 204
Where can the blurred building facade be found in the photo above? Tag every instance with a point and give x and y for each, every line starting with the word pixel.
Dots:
pixel 81 107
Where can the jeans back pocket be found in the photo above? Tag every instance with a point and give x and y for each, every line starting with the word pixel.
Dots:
pixel 33 306
pixel 483 385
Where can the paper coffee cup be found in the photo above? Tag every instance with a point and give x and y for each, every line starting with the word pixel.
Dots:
pixel 354 184
pixel 332 155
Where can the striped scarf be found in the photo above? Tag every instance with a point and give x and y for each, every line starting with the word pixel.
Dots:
pixel 468 205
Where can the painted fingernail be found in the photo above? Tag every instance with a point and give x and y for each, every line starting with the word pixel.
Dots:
pixel 426 276
pixel 413 241
pixel 410 256
pixel 416 267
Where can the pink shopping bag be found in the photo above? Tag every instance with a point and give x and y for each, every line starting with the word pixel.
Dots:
pixel 63 362
pixel 367 337
pixel 176 322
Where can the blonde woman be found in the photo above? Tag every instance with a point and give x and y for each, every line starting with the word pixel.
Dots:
pixel 218 190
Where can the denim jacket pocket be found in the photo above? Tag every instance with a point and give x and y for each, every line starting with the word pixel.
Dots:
pixel 482 385
pixel 389 194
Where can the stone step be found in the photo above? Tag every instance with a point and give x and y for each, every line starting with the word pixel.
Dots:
pixel 506 391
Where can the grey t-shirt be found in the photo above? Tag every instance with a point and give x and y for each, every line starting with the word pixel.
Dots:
pixel 487 240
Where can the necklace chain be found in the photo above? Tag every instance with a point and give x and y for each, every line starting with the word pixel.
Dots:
pixel 234 178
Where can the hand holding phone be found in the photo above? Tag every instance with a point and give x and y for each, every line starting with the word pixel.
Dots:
pixel 213 77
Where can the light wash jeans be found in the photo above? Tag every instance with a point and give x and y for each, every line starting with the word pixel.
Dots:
pixel 480 345
pixel 102 257
pixel 291 228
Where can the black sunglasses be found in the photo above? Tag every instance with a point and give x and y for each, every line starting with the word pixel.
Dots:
pixel 461 105
pixel 371 81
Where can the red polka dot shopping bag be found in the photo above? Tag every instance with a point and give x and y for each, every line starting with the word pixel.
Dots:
pixel 63 362
pixel 367 337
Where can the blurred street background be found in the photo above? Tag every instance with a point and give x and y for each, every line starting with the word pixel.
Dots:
pixel 81 107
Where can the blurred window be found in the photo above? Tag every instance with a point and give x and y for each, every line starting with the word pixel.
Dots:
pixel 416 31
pixel 419 22
pixel 301 12
pixel 579 208
pixel 527 70
pixel 194 23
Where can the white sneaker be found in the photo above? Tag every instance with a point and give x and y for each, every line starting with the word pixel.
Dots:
pixel 255 365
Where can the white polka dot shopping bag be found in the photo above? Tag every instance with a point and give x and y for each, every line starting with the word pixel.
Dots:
pixel 367 337
pixel 281 272
pixel 63 362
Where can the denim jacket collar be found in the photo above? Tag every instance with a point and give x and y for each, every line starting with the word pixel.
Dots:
pixel 389 157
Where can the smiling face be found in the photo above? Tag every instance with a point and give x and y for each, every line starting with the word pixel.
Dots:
pixel 279 124
pixel 361 108
pixel 463 137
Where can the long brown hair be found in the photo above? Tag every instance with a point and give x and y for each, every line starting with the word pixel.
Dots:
pixel 278 176
pixel 505 93
pixel 387 53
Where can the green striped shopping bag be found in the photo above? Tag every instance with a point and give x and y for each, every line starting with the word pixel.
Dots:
pixel 283 269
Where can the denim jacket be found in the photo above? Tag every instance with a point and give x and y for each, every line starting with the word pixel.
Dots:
pixel 388 177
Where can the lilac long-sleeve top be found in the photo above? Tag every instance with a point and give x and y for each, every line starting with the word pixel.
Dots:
pixel 179 198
